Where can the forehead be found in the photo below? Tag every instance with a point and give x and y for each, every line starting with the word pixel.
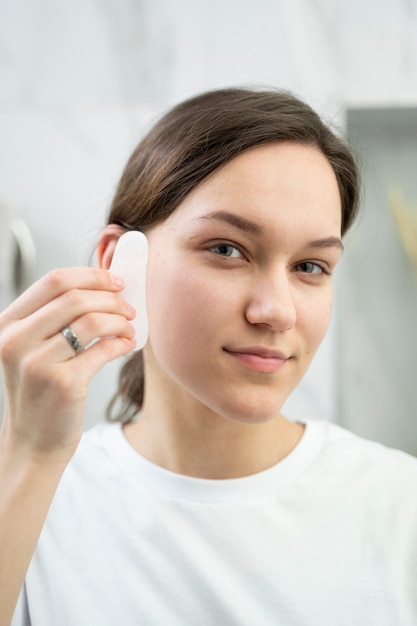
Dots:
pixel 282 182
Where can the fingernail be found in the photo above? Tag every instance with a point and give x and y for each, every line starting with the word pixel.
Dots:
pixel 117 280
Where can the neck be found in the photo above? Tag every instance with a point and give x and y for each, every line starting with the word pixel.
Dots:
pixel 194 441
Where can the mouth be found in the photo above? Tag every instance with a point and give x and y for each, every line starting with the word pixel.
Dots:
pixel 259 359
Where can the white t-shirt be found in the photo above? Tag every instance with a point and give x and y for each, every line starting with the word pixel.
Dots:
pixel 328 537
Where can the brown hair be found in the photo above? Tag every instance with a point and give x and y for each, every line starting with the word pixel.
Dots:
pixel 193 140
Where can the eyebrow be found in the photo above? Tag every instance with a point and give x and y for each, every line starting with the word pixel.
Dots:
pixel 240 222
pixel 328 242
pixel 251 227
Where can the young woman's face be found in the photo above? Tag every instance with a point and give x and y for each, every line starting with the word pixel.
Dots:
pixel 240 282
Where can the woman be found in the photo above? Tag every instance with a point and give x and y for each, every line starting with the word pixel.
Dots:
pixel 210 507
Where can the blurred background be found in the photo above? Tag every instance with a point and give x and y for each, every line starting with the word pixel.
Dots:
pixel 81 81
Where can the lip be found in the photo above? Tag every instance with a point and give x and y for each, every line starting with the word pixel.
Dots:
pixel 259 358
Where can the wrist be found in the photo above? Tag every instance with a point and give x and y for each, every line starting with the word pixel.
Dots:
pixel 18 451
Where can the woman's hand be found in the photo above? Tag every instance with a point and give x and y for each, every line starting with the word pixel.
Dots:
pixel 46 385
pixel 45 380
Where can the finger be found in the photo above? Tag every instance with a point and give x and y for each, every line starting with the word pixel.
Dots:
pixel 27 336
pixel 70 306
pixel 87 363
pixel 90 327
pixel 56 283
pixel 46 401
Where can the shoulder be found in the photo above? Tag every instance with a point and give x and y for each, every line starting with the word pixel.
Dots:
pixel 370 465
pixel 344 441
pixel 93 463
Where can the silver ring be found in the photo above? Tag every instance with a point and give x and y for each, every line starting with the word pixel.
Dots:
pixel 72 339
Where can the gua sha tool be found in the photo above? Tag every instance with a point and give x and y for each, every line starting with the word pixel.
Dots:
pixel 129 261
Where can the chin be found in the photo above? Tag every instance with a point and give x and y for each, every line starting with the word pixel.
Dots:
pixel 251 412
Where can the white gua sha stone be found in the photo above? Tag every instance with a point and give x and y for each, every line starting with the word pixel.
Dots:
pixel 129 261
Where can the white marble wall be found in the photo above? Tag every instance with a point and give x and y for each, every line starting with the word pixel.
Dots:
pixel 81 80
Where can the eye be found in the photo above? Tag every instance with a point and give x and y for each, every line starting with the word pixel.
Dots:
pixel 227 250
pixel 308 267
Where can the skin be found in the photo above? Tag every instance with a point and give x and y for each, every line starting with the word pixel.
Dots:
pixel 45 393
pixel 222 292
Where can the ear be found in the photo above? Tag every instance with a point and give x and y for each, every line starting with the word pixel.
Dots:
pixel 107 244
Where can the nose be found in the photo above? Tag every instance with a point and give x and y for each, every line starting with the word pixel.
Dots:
pixel 271 301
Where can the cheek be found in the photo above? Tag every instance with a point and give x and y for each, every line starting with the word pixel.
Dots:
pixel 180 308
pixel 314 321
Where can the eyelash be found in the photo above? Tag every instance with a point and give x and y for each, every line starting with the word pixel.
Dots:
pixel 226 245
pixel 317 266
pixel 321 268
